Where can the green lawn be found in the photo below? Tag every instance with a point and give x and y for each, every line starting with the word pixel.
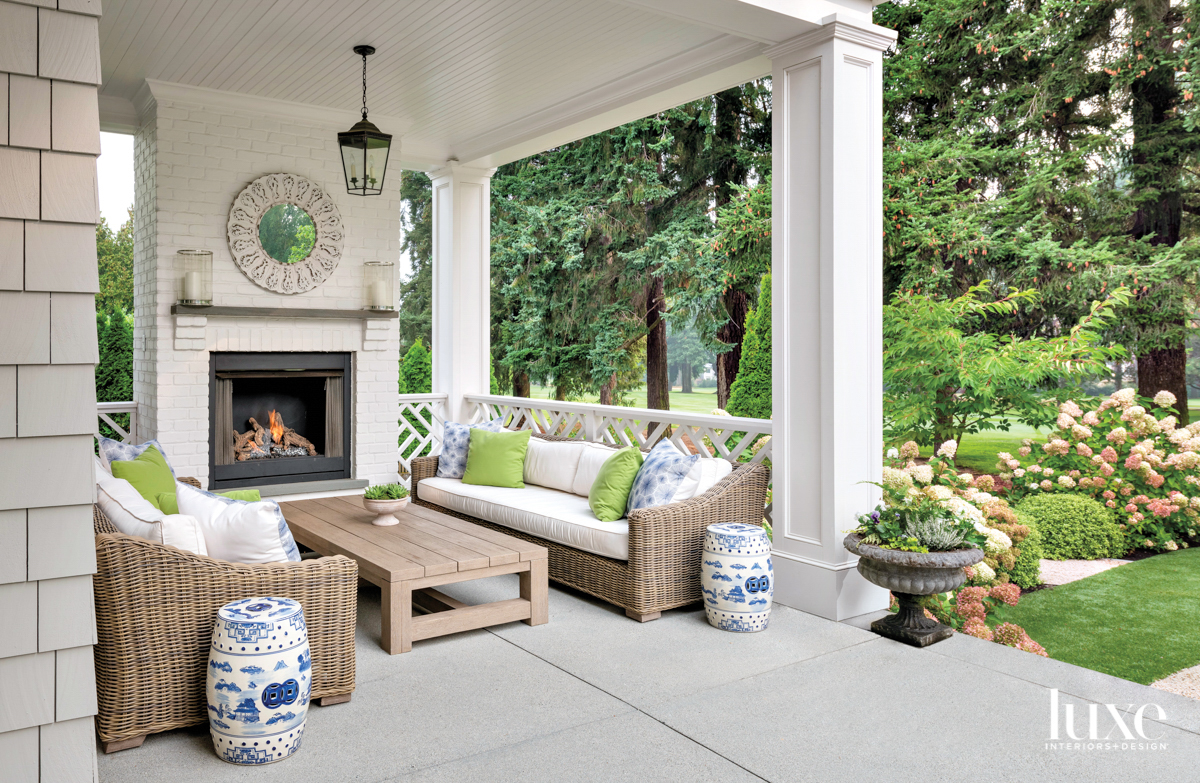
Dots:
pixel 699 401
pixel 1137 621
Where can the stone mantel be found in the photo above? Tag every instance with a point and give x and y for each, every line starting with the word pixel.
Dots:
pixel 213 311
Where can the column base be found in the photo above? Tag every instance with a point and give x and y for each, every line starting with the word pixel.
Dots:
pixel 833 594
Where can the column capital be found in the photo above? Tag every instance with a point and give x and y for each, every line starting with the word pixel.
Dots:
pixel 836 26
pixel 452 168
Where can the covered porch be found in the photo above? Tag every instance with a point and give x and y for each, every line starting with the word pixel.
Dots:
pixel 220 97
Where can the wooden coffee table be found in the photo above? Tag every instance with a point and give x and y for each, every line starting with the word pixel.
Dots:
pixel 426 550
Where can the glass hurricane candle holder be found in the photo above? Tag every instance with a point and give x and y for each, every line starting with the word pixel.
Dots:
pixel 379 286
pixel 195 277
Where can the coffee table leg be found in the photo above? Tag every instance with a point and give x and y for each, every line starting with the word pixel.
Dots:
pixel 535 589
pixel 397 617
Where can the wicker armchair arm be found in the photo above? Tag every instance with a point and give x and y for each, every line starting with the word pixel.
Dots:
pixel 155 609
pixel 669 538
pixel 744 490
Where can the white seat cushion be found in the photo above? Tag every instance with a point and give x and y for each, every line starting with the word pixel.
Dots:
pixel 547 513
pixel 552 464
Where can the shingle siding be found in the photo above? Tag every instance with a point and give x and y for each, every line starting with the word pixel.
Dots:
pixel 49 139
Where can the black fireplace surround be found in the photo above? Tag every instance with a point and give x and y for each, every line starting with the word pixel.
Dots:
pixel 312 393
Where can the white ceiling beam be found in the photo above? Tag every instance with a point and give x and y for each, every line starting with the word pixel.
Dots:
pixel 639 95
pixel 765 21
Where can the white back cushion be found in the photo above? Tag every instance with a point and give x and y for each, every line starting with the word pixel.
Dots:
pixel 553 464
pixel 238 531
pixel 701 477
pixel 590 459
pixel 133 515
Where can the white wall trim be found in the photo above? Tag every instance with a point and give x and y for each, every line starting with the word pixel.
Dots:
pixel 844 566
pixel 836 26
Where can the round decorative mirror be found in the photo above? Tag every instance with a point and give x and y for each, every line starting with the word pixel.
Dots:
pixel 285 233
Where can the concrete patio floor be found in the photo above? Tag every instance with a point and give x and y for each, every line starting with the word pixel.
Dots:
pixel 594 696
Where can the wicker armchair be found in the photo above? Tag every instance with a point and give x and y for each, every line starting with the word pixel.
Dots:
pixel 663 570
pixel 155 608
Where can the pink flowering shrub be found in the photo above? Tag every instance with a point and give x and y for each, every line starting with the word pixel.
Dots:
pixel 1145 468
pixel 968 609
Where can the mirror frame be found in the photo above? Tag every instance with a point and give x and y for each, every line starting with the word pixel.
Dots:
pixel 248 254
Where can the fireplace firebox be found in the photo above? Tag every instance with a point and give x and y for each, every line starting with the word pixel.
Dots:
pixel 278 418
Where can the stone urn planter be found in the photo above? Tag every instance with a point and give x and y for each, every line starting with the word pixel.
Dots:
pixel 909 575
pixel 386 510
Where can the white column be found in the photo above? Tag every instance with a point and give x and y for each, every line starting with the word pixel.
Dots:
pixel 827 265
pixel 462 219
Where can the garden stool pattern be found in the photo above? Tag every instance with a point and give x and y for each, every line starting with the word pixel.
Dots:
pixel 259 680
pixel 737 577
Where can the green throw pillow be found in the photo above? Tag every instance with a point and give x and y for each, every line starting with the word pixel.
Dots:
pixel 497 459
pixel 168 505
pixel 610 490
pixel 149 474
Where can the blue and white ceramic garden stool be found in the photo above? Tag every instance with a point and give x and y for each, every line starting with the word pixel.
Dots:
pixel 259 680
pixel 736 577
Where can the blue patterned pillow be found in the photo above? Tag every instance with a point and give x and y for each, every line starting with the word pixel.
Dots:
pixel 659 476
pixel 116 451
pixel 456 438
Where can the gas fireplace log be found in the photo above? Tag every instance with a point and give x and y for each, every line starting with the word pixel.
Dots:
pixel 256 443
pixel 289 438
pixel 248 442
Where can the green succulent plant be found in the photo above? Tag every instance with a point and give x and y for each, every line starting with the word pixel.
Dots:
pixel 386 492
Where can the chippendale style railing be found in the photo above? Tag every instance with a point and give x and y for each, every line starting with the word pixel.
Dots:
pixel 117 429
pixel 715 437
pixel 421 420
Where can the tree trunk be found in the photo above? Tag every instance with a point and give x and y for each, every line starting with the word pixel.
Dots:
pixel 1157 182
pixel 560 392
pixel 1165 370
pixel 685 378
pixel 736 305
pixel 658 382
pixel 606 391
pixel 520 384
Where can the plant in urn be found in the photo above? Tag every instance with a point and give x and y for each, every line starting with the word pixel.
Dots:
pixel 915 543
pixel 385 500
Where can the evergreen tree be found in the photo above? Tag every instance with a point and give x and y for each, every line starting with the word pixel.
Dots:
pixel 416 371
pixel 416 290
pixel 114 259
pixel 1007 159
pixel 751 392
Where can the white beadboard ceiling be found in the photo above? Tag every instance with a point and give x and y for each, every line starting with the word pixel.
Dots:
pixel 480 81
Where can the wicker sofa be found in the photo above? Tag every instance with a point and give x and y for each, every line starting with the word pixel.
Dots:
pixel 663 569
pixel 155 608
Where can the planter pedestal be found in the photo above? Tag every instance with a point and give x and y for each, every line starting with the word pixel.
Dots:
pixel 910 625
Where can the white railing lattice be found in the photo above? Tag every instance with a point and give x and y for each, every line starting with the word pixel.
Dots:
pixel 105 412
pixel 421 419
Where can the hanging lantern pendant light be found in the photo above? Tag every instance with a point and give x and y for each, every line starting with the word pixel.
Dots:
pixel 364 147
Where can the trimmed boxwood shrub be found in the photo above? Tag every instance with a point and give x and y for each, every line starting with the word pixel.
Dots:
pixel 1027 571
pixel 1073 527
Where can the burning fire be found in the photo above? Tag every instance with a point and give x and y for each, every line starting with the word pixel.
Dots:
pixel 276 427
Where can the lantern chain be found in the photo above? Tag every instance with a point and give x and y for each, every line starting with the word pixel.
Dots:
pixel 364 80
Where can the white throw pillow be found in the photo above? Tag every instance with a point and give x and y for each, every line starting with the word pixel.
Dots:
pixel 701 478
pixel 591 459
pixel 133 515
pixel 553 464
pixel 238 531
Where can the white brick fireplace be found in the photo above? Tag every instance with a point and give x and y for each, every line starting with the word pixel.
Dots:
pixel 195 150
